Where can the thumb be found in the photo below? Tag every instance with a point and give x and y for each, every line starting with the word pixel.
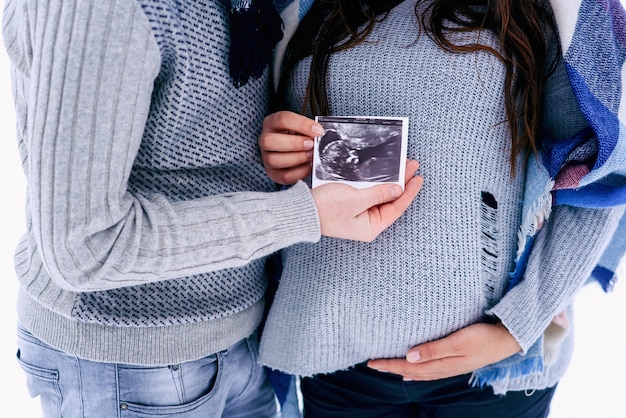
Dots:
pixel 376 195
pixel 432 350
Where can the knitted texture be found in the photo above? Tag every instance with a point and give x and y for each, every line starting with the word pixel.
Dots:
pixel 140 154
pixel 446 261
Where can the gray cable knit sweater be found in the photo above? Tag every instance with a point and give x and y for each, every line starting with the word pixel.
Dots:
pixel 146 229
pixel 443 265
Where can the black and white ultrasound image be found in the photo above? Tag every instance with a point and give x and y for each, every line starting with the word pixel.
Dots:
pixel 360 151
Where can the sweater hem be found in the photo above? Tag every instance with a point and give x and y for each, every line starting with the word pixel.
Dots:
pixel 145 346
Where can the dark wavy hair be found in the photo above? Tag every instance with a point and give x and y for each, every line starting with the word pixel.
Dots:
pixel 523 28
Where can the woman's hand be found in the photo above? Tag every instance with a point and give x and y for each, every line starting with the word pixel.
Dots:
pixel 286 144
pixel 461 352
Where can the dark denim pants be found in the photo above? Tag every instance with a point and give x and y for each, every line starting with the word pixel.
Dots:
pixel 366 393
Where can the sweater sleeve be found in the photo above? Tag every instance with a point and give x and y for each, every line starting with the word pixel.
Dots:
pixel 563 256
pixel 569 246
pixel 87 93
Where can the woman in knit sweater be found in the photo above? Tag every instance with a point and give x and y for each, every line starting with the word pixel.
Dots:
pixel 397 326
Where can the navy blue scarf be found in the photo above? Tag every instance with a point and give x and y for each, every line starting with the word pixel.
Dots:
pixel 255 28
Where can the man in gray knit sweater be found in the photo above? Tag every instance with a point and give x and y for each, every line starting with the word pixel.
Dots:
pixel 149 215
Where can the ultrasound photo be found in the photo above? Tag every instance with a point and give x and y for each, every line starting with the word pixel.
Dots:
pixel 360 151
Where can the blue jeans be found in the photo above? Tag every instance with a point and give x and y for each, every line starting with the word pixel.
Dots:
pixel 226 384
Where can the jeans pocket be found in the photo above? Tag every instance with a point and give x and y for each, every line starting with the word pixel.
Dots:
pixel 169 390
pixel 43 382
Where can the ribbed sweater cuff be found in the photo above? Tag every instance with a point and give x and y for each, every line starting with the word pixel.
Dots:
pixel 556 270
pixel 299 220
pixel 521 326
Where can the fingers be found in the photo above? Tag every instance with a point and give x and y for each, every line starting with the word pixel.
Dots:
pixel 411 169
pixel 377 195
pixel 284 142
pixel 453 345
pixel 287 167
pixel 432 370
pixel 388 213
pixel 430 351
pixel 395 366
pixel 280 160
pixel 290 175
pixel 286 121
pixel 434 363
pixel 390 193
pixel 398 206
pixel 424 358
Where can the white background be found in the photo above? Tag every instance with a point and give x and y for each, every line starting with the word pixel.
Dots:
pixel 595 385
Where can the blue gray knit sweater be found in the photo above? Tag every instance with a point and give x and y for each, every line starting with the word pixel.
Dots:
pixel 445 263
pixel 145 243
